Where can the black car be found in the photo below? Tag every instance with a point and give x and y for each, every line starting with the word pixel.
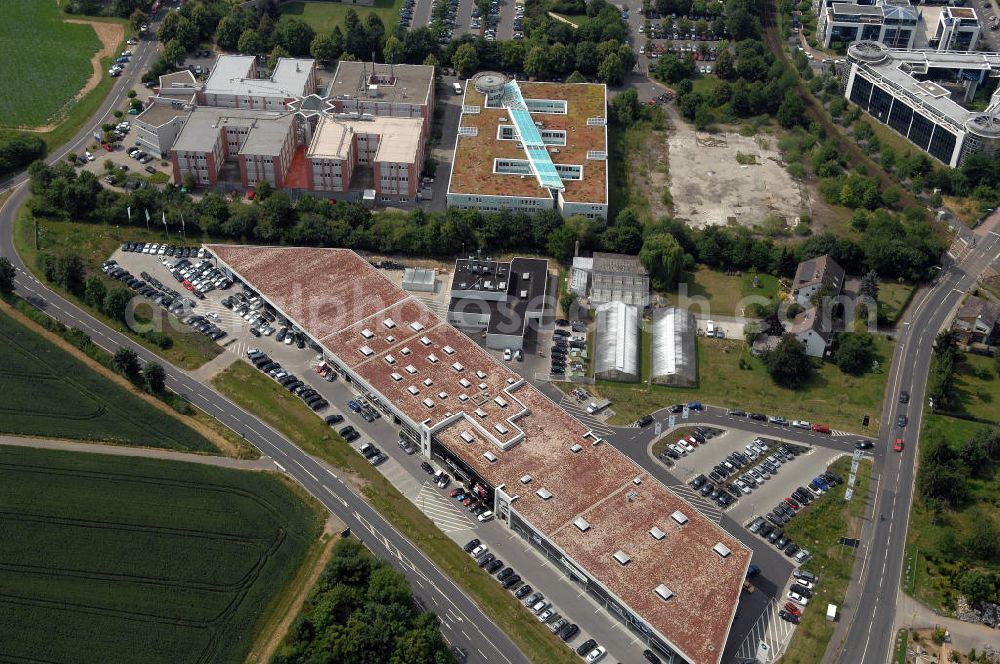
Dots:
pixel 791 549
pixel 336 418
pixel 523 591
pixel 569 631
pixel 586 647
pixel 904 397
pixel 650 656
pixel 486 559
pixel 801 590
pixel 494 566
pixel 697 482
pixel 677 408
pixel 863 445
pixel 761 417
pixel 737 413
pixel 511 581
pixel 426 467
pixel 645 420
pixel 765 530
pixel 505 573
pixel 789 616
pixel 901 420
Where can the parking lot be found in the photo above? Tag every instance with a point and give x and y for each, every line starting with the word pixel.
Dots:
pixel 403 469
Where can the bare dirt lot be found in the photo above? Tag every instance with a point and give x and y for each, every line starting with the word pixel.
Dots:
pixel 725 179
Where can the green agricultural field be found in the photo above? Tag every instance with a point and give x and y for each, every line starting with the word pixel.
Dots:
pixel 45 391
pixel 45 61
pixel 324 16
pixel 831 396
pixel 121 559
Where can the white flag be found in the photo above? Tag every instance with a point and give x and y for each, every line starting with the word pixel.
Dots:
pixel 129 210
pixel 164 213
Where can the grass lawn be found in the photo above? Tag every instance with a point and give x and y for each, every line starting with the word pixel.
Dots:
pixel 831 397
pixel 623 190
pixel 575 19
pixel 324 16
pixel 704 84
pixel 48 392
pixel 931 563
pixel 979 387
pixel 723 292
pixel 818 529
pixel 288 414
pixel 893 299
pixel 966 210
pixel 181 562
pixel 95 243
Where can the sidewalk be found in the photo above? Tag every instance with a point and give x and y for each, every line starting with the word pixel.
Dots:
pixel 964 635
pixel 207 371
pixel 263 463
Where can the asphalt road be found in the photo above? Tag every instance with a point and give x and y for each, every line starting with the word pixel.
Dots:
pixel 463 623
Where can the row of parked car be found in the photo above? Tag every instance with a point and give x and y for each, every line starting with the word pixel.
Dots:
pixel 202 277
pixel 289 381
pixel 251 308
pixel 172 250
pixel 688 444
pixel 800 592
pixel 564 343
pixel 168 299
pixel 374 455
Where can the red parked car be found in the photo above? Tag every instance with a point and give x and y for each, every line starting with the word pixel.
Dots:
pixel 820 428
pixel 791 608
pixel 455 492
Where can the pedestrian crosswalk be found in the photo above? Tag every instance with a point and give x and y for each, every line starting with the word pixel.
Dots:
pixel 769 629
pixel 578 409
pixel 442 510
pixel 838 432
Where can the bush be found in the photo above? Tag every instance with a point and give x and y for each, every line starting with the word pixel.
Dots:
pixel 161 340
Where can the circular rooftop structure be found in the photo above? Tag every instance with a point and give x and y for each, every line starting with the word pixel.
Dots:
pixel 872 52
pixel 985 125
pixel 489 82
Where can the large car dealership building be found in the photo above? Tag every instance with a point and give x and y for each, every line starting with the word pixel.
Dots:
pixel 647 556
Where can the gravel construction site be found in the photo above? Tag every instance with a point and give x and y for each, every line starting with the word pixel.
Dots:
pixel 725 179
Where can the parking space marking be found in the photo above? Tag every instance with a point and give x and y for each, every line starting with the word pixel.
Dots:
pixel 442 510
pixel 700 503
pixel 770 629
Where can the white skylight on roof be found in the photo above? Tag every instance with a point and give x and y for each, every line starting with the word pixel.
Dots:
pixel 481 374
pixel 722 550
pixel 679 517
pixel 463 397
pixel 480 412
pixel 366 351
pixel 449 350
pixel 391 339
pixel 367 334
pixel 511 381
pixel 404 350
pixel 622 557
pixel 483 386
pixel 581 523
pixel 410 369
pixel 428 403
pixel 664 592
pixel 500 402
pixel 389 323
pixel 442 395
pixel 464 383
pixel 637 481
pixel 428 382
pixel 501 429
pixel 432 357
pixel 413 390
pixel 395 376
pixel 425 341
pixel 458 367
pixel 657 533
pixel 575 447
pixel 489 456
pixel 416 326
pixel 543 493
pixel 389 359
pixel 467 437
pixel 526 479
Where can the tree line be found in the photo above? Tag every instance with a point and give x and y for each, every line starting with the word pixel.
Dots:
pixel 362 610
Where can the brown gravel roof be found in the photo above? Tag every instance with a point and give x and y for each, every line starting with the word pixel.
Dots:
pixel 595 482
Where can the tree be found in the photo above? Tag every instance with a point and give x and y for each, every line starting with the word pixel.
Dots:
pixel 465 60
pixel 611 70
pixel 576 77
pixel 791 111
pixel 393 51
pixel 127 362
pixel 174 52
pixel 94 291
pixel 116 303
pixel 672 69
pixel 250 42
pixel 228 32
pixel 771 325
pixel 622 240
pixel 155 376
pixel 562 243
pixel 277 53
pixel 725 67
pixel 854 352
pixel 536 62
pixel 625 107
pixel 788 364
pixel 138 19
pixel 978 586
pixel 294 35
pixel 7 274
pixel 324 50
pixel 663 257
pixel 869 285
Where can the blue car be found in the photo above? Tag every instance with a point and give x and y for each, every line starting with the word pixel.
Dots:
pixel 695 405
pixel 354 405
pixel 122 59
pixel 822 484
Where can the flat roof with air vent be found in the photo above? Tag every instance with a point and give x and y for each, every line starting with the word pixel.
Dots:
pixel 467 437
pixel 575 448
pixel 622 557
pixel 679 517
pixel 543 493
pixel 458 367
pixel 664 592
pixel 722 550
pixel 389 323
pixel 657 533
pixel 526 479
pixel 366 351
pixel 429 403
pixel 489 456
pixel 581 523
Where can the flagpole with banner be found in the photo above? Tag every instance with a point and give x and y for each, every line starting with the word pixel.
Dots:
pixel 147 219
pixel 129 210
pixel 165 231
pixel 183 231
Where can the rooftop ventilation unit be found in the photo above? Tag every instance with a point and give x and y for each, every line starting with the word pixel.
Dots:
pixel 432 358
pixel 389 323
pixel 657 533
pixel 428 382
pixel 467 437
pixel 526 479
pixel 664 592
pixel 410 369
pixel 464 383
pixel 679 517
pixel 416 326
pixel 722 550
pixel 489 456
pixel 395 376
pixel 480 412
pixel 483 386
pixel 367 334
pixel 413 390
pixel 637 481
pixel 501 429
pixel 404 350
pixel 575 448
pixel 366 351
pixel 458 367
pixel 425 341
pixel 428 403
pixel 389 359
pixel 500 402
pixel 581 524
pixel 622 557
pixel 543 493
pixel 481 374
pixel 463 397
pixel 448 350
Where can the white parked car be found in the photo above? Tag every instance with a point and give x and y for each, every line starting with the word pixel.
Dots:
pixel 686 445
pixel 797 598
pixel 479 551
pixel 801 424
pixel 596 655
pixel 507 354
pixel 486 516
